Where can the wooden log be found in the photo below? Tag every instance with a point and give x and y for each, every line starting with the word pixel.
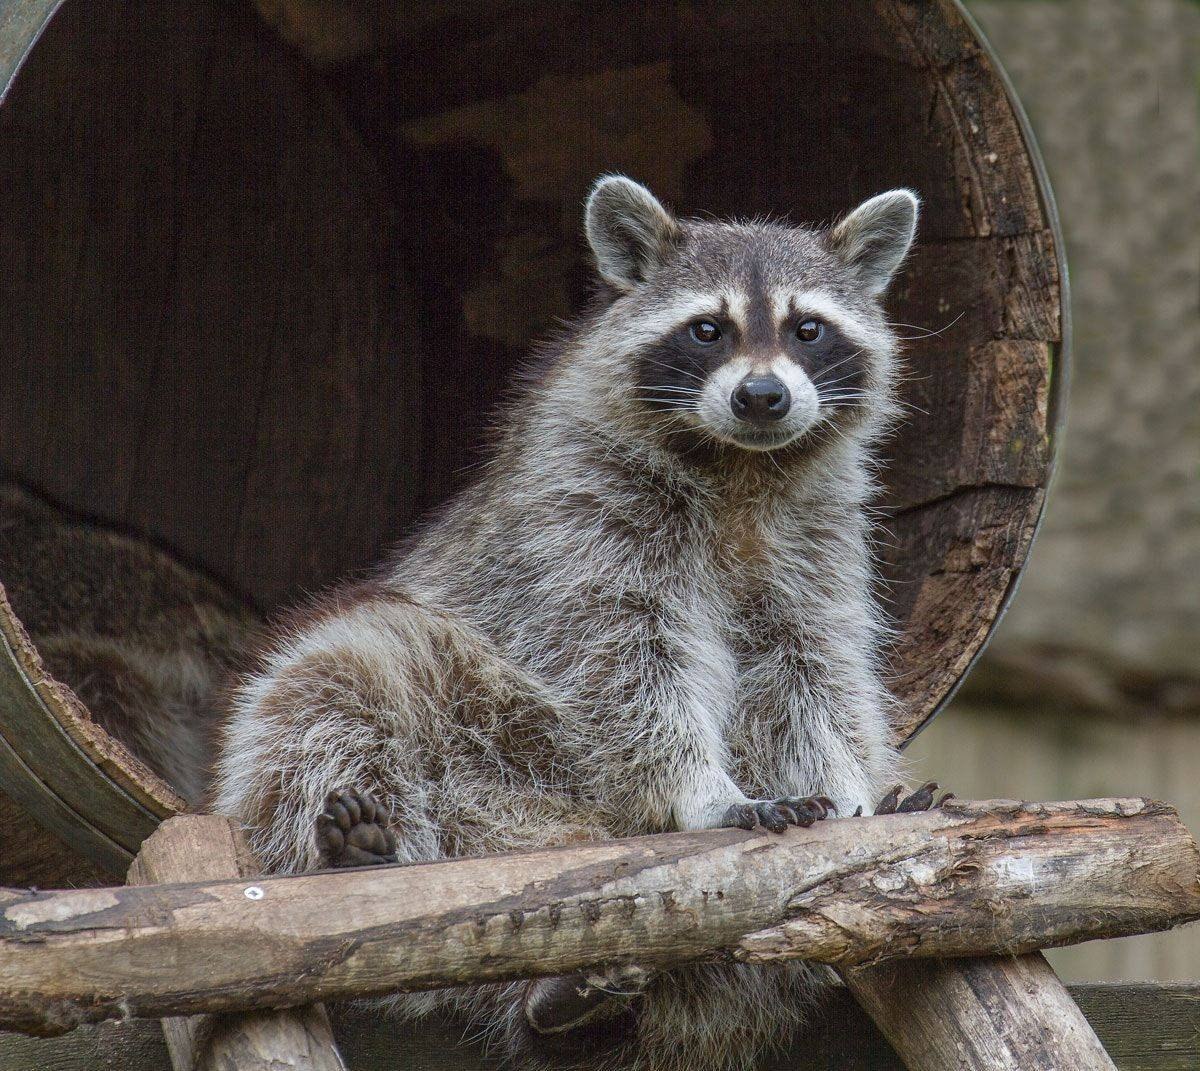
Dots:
pixel 974 878
pixel 994 1013
pixel 1018 878
pixel 203 847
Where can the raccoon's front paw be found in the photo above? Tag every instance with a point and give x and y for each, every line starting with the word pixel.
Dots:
pixel 921 800
pixel 353 831
pixel 777 815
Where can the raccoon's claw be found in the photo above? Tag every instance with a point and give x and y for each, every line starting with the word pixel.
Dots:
pixel 353 831
pixel 777 815
pixel 887 805
pixel 920 800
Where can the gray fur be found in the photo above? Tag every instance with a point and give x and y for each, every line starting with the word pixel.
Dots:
pixel 629 231
pixel 876 236
pixel 626 625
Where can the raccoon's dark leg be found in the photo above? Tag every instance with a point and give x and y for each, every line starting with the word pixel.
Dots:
pixel 921 800
pixel 571 1018
pixel 353 831
pixel 777 815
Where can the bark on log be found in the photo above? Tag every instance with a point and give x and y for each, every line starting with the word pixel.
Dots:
pixel 199 848
pixel 1002 1014
pixel 974 878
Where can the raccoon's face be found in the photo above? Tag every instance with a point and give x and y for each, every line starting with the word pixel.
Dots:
pixel 756 335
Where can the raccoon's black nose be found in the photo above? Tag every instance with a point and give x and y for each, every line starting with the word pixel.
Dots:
pixel 761 400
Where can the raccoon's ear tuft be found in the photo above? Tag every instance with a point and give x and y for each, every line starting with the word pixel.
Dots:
pixel 629 230
pixel 875 238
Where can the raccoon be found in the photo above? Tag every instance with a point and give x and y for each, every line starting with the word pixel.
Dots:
pixel 651 611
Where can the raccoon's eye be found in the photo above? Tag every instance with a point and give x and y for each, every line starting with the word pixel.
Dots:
pixel 810 331
pixel 705 332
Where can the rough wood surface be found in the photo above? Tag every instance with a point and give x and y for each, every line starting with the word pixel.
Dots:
pixel 971 879
pixel 1002 1014
pixel 201 848
pixel 1146 1027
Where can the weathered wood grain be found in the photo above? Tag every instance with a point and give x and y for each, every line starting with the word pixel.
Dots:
pixel 1001 1013
pixel 21 23
pixel 969 879
pixel 1144 1027
pixel 199 848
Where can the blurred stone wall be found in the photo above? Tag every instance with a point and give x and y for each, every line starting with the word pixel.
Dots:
pixel 1092 684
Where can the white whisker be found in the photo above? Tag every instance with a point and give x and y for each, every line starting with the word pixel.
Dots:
pixel 838 364
pixel 678 371
pixel 925 332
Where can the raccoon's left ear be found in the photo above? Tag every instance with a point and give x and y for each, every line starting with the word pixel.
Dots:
pixel 875 238
pixel 629 230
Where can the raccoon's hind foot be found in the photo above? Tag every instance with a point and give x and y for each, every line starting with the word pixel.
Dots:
pixel 570 1002
pixel 921 800
pixel 353 831
pixel 777 815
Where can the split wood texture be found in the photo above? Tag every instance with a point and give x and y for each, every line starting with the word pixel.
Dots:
pixel 972 879
pixel 201 848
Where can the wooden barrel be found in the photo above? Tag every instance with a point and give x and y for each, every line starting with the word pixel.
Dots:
pixel 256 308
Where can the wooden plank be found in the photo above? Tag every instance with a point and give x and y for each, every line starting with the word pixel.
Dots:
pixel 31 855
pixel 1144 1027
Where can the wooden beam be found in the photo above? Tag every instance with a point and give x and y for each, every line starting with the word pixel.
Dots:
pixel 974 878
pixel 996 1013
pixel 201 847
pixel 1145 1027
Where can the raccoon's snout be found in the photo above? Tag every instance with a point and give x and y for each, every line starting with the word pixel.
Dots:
pixel 761 400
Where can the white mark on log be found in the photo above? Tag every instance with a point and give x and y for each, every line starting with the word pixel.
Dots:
pixel 925 872
pixel 920 872
pixel 60 908
pixel 1016 874
pixel 254 893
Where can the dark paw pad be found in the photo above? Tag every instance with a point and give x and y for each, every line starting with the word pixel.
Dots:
pixel 353 831
pixel 777 815
pixel 920 800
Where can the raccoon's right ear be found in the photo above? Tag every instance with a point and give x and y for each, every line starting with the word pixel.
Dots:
pixel 876 237
pixel 629 230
